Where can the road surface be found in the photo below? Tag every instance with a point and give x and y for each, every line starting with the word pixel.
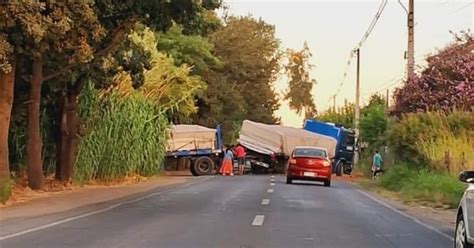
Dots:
pixel 239 211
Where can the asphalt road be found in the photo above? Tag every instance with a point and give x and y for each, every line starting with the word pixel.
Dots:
pixel 240 211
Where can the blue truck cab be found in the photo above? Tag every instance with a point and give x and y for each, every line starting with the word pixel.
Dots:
pixel 342 162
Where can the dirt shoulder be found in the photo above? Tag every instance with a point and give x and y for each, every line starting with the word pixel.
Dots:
pixel 33 203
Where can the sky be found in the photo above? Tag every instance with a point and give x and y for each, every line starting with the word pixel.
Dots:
pixel 332 28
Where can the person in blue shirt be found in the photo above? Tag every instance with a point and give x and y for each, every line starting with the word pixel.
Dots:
pixel 376 163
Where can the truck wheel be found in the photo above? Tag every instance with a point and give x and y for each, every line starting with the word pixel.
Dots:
pixel 339 169
pixel 204 166
pixel 191 168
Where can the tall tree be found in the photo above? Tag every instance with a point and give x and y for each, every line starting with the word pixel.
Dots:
pixel 43 31
pixel 7 76
pixel 300 84
pixel 242 88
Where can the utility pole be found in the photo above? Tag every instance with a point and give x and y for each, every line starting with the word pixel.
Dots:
pixel 357 108
pixel 334 102
pixel 387 99
pixel 411 40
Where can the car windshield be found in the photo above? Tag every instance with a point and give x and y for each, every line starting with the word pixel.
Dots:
pixel 309 152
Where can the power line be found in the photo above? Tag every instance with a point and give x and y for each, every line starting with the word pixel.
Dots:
pixel 372 24
pixel 359 45
pixel 403 6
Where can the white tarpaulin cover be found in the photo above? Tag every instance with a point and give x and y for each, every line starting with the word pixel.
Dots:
pixel 190 137
pixel 269 139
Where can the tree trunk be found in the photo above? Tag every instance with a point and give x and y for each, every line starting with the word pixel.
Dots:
pixel 34 143
pixel 61 138
pixel 72 137
pixel 69 130
pixel 6 101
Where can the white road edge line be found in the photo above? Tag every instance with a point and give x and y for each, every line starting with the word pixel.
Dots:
pixel 406 215
pixel 270 191
pixel 97 211
pixel 265 201
pixel 258 220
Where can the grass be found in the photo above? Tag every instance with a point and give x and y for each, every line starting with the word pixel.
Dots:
pixel 125 136
pixel 421 186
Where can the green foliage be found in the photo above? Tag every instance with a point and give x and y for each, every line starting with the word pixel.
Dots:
pixel 192 50
pixel 424 137
pixel 423 185
pixel 343 115
pixel 242 88
pixel 300 85
pixel 123 135
pixel 373 122
pixel 171 87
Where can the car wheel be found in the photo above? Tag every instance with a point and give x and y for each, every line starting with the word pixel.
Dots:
pixel 327 183
pixel 460 237
pixel 289 180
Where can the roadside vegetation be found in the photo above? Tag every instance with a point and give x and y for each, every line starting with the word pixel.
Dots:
pixel 427 136
pixel 88 90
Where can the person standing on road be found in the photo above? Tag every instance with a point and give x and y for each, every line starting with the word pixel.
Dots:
pixel 240 154
pixel 376 163
pixel 227 163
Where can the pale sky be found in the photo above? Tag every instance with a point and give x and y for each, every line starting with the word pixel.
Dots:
pixel 333 28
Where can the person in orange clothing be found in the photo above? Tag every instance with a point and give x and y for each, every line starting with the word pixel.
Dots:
pixel 227 166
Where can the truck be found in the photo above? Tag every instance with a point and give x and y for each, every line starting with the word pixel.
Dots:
pixel 197 147
pixel 345 148
pixel 270 146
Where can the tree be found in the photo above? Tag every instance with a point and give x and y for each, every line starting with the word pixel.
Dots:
pixel 64 40
pixel 373 122
pixel 7 75
pixel 446 84
pixel 242 88
pixel 171 87
pixel 343 115
pixel 193 50
pixel 42 32
pixel 300 85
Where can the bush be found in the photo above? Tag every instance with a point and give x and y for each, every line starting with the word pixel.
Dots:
pixel 124 135
pixel 440 189
pixel 423 138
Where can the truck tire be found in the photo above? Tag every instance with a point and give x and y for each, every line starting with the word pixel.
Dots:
pixel 191 168
pixel 204 166
pixel 339 168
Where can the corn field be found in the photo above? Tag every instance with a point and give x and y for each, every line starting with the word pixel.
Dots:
pixel 123 135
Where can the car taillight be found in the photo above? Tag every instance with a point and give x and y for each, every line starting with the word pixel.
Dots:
pixel 292 161
pixel 326 164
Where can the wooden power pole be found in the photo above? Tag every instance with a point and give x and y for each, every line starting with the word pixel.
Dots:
pixel 411 40
pixel 357 107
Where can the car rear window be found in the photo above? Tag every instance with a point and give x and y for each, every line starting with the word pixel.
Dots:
pixel 309 152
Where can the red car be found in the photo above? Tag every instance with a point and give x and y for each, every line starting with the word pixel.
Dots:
pixel 309 163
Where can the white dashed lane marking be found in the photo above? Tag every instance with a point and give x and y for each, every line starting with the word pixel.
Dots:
pixel 270 191
pixel 258 220
pixel 272 184
pixel 265 201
